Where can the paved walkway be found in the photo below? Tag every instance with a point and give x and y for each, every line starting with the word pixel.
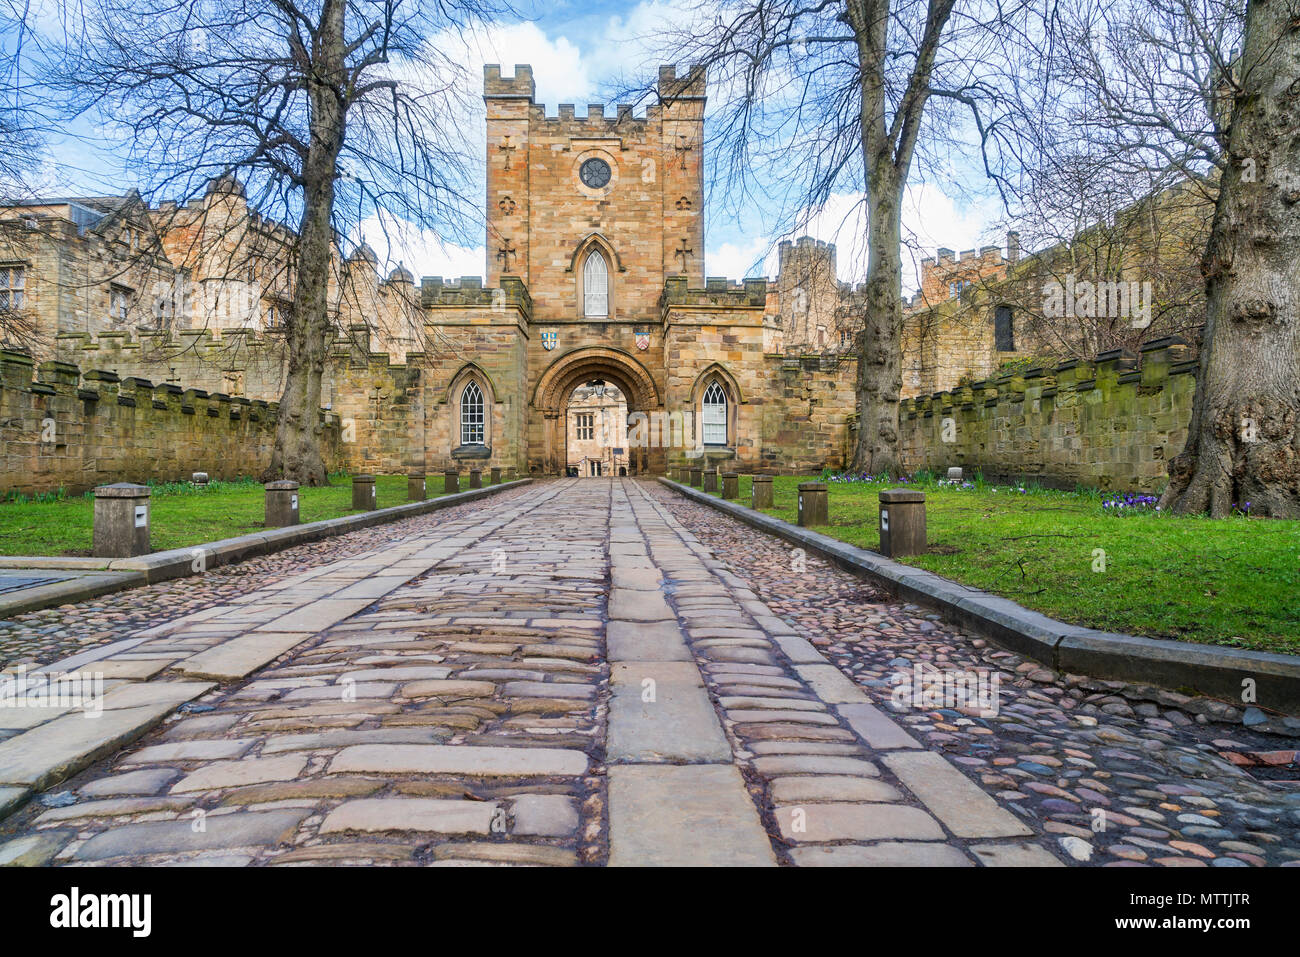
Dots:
pixel 559 675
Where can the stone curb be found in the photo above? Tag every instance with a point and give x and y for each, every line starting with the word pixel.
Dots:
pixel 1208 669
pixel 123 573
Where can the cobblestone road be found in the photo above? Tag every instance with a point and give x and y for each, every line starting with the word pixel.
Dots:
pixel 566 675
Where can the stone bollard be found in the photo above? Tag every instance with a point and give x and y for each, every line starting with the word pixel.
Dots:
pixel 697 477
pixel 761 495
pixel 451 481
pixel 730 485
pixel 281 503
pixel 199 478
pixel 710 480
pixel 475 478
pixel 902 522
pixel 363 491
pixel 813 508
pixel 954 474
pixel 495 475
pixel 416 487
pixel 121 521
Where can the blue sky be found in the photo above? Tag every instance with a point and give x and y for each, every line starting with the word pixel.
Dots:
pixel 578 50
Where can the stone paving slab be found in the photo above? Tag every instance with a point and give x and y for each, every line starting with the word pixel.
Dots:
pixel 691 816
pixel 952 797
pixel 240 657
pixel 677 726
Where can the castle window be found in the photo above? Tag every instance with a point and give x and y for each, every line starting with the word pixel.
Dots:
pixel 1004 333
pixel 586 425
pixel 13 281
pixel 595 286
pixel 714 415
pixel 118 299
pixel 471 415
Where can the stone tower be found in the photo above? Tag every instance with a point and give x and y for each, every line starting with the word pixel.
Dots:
pixel 559 187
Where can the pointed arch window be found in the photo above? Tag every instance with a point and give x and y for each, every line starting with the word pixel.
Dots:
pixel 471 415
pixel 595 286
pixel 714 415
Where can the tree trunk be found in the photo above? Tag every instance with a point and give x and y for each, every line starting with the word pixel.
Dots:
pixel 297 453
pixel 880 374
pixel 1243 442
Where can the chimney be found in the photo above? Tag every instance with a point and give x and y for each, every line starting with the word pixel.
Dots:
pixel 1013 247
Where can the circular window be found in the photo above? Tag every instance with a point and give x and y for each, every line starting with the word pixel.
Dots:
pixel 594 174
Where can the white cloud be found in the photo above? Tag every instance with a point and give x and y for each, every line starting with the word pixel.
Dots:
pixel 422 251
pixel 736 262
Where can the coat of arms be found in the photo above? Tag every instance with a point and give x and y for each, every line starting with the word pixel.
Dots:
pixel 643 341
pixel 549 340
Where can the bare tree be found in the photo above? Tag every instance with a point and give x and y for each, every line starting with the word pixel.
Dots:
pixel 1203 92
pixel 325 111
pixel 820 97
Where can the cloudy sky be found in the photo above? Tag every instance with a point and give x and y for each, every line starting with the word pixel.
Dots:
pixel 580 50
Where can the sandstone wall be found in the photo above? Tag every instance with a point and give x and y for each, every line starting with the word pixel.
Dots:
pixel 60 427
pixel 1106 424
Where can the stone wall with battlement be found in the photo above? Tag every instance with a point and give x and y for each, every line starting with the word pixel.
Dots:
pixel 60 427
pixel 1109 424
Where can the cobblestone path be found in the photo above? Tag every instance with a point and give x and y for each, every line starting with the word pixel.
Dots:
pixel 1106 772
pixel 567 675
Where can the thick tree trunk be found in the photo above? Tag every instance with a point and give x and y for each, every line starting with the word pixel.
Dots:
pixel 880 374
pixel 297 453
pixel 1243 444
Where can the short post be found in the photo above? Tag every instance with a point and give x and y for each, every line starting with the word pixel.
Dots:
pixel 513 475
pixel 496 475
pixel 761 496
pixel 954 474
pixel 281 503
pixel 902 522
pixel 730 485
pixel 451 481
pixel 121 520
pixel 813 507
pixel 710 480
pixel 363 491
pixel 475 478
pixel 416 487
pixel 697 477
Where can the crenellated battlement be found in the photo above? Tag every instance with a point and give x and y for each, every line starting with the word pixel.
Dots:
pixel 717 291
pixel 1108 423
pixel 62 427
pixel 470 291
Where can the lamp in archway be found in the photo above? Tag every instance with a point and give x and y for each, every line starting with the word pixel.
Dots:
pixel 598 387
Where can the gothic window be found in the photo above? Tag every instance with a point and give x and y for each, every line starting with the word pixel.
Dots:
pixel 714 415
pixel 471 415
pixel 595 286
pixel 1004 333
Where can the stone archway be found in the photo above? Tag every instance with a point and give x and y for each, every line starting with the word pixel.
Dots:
pixel 556 384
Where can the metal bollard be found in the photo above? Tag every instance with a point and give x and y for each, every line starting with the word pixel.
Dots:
pixel 281 503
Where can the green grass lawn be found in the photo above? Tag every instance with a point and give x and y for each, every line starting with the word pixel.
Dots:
pixel 1233 582
pixel 180 514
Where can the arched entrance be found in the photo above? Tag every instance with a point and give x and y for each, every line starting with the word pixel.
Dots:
pixel 582 366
